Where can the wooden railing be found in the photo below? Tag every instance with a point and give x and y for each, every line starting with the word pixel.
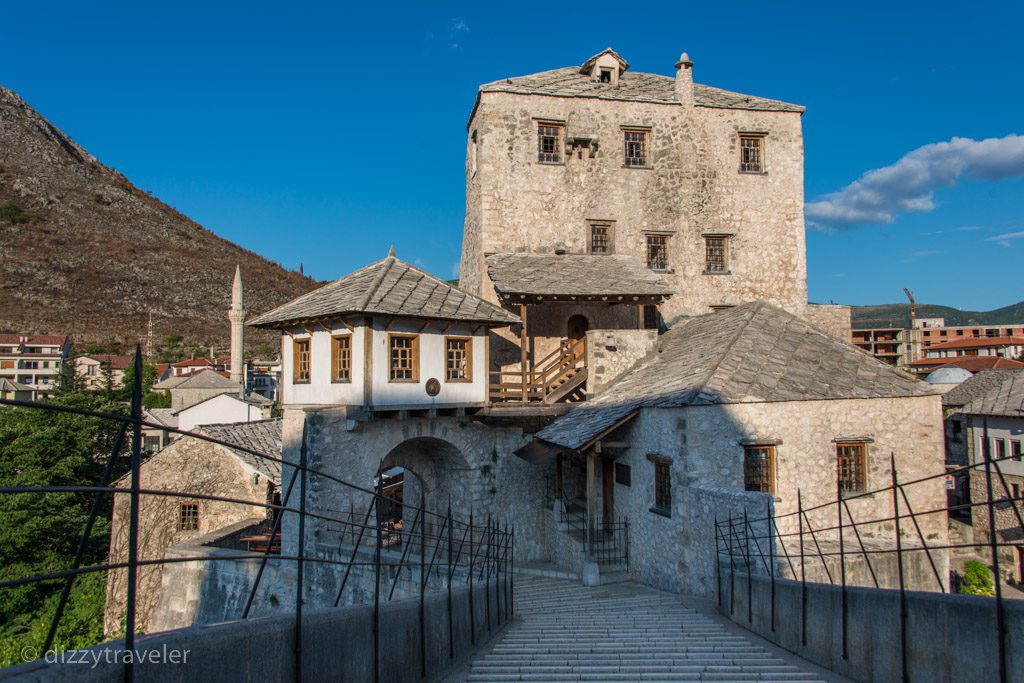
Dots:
pixel 547 380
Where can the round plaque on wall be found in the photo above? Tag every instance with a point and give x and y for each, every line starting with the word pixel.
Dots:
pixel 433 387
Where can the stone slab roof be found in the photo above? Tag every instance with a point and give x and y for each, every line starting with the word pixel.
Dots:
pixel 990 392
pixel 204 379
pixel 11 385
pixel 753 353
pixel 632 87
pixel 388 287
pixel 165 416
pixel 263 436
pixel 573 275
pixel 171 382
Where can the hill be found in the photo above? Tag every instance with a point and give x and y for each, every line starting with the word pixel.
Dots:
pixel 86 253
pixel 898 315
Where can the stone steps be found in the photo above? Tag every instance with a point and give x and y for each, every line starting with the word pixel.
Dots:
pixel 620 632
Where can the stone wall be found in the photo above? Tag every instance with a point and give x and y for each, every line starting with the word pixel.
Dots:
pixel 189 465
pixel 831 319
pixel 705 447
pixel 693 188
pixel 612 352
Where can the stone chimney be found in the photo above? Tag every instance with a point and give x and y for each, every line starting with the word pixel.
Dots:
pixel 236 315
pixel 684 80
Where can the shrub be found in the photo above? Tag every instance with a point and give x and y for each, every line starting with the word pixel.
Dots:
pixel 977 580
pixel 12 213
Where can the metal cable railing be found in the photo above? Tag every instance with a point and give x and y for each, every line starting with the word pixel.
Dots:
pixel 436 545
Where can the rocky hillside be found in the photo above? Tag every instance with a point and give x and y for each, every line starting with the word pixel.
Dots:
pixel 84 252
pixel 898 315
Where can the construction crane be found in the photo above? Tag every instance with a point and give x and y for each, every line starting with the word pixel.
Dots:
pixel 913 324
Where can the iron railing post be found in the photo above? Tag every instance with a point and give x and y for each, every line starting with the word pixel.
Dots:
pixel 842 566
pixel 750 578
pixel 423 586
pixel 803 569
pixel 451 627
pixel 378 518
pixel 771 561
pixel 511 579
pixel 487 572
pixel 133 516
pixel 301 565
pixel 993 541
pixel 472 568
pixel 718 563
pixel 732 571
pixel 899 564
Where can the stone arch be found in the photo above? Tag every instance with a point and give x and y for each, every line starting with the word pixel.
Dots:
pixel 440 472
pixel 577 326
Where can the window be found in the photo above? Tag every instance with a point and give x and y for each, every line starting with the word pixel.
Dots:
pixel 662 485
pixel 405 358
pixel 188 517
pixel 1000 448
pixel 716 250
pixel 549 143
pixel 150 444
pixel 600 238
pixel 636 148
pixel 300 368
pixel 657 252
pixel 759 468
pixel 751 154
pixel 1017 448
pixel 341 358
pixel 651 321
pixel 851 467
pixel 606 76
pixel 458 364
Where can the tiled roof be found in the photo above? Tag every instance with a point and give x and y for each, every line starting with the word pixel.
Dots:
pixel 990 392
pixel 573 275
pixel 752 353
pixel 388 287
pixel 632 87
pixel 111 361
pixel 171 382
pixel 192 362
pixel 251 398
pixel 977 343
pixel 11 385
pixel 204 379
pixel 165 416
pixel 46 339
pixel 263 436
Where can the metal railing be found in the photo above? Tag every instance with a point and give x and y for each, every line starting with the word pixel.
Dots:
pixel 609 543
pixel 794 544
pixel 440 545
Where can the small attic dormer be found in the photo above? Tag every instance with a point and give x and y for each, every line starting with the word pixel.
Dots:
pixel 605 67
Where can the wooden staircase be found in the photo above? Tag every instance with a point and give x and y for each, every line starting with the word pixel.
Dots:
pixel 560 376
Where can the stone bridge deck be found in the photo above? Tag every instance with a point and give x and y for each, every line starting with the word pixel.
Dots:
pixel 626 632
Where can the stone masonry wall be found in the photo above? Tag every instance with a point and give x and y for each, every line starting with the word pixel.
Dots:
pixel 612 352
pixel 189 465
pixel 831 319
pixel 693 187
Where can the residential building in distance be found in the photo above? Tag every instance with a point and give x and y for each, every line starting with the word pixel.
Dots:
pixel 979 352
pixel 912 349
pixel 14 391
pixel 887 344
pixel 263 377
pixel 34 360
pixel 94 370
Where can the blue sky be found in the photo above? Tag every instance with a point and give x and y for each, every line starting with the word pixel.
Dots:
pixel 320 133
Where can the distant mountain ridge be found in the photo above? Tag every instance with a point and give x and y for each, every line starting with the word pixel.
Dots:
pixel 86 253
pixel 898 315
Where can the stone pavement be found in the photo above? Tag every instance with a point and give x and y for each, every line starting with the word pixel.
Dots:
pixel 625 632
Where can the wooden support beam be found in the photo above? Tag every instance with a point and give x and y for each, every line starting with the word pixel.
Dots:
pixel 522 350
pixel 368 361
pixel 591 497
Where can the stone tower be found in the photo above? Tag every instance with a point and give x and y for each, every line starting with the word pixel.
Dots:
pixel 236 314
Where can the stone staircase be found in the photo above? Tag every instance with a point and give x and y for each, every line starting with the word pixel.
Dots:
pixel 624 632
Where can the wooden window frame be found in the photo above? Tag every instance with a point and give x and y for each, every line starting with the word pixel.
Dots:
pixel 337 356
pixel 726 253
pixel 761 151
pixel 861 468
pixel 645 147
pixel 468 379
pixel 559 134
pixel 415 364
pixel 667 267
pixel 297 346
pixel 768 476
pixel 662 492
pixel 610 227
pixel 190 521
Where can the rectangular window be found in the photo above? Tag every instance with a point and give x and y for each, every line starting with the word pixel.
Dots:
pixel 657 252
pixel 300 368
pixel 716 250
pixel 662 485
pixel 188 517
pixel 1000 449
pixel 405 358
pixel 636 148
pixel 549 143
pixel 600 238
pixel 458 364
pixel 150 444
pixel 651 321
pixel 751 154
pixel 759 468
pixel 341 358
pixel 1017 448
pixel 851 467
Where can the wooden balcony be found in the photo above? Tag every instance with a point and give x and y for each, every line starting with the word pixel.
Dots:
pixel 561 375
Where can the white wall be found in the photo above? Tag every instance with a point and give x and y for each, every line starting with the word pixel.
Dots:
pixel 322 391
pixel 223 409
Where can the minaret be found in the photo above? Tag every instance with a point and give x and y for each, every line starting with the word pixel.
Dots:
pixel 237 317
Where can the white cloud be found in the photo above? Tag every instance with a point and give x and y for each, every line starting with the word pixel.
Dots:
pixel 909 185
pixel 456 30
pixel 1004 239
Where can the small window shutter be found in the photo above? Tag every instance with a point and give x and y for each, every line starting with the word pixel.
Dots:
pixel 296 358
pixel 335 349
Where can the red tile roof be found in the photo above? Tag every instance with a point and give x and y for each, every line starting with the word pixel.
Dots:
pixel 192 362
pixel 978 343
pixel 47 339
pixel 114 362
pixel 969 363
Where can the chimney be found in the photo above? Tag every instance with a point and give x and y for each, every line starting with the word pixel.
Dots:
pixel 684 80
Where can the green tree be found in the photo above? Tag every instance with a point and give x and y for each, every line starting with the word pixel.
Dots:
pixel 148 379
pixel 977 579
pixel 41 532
